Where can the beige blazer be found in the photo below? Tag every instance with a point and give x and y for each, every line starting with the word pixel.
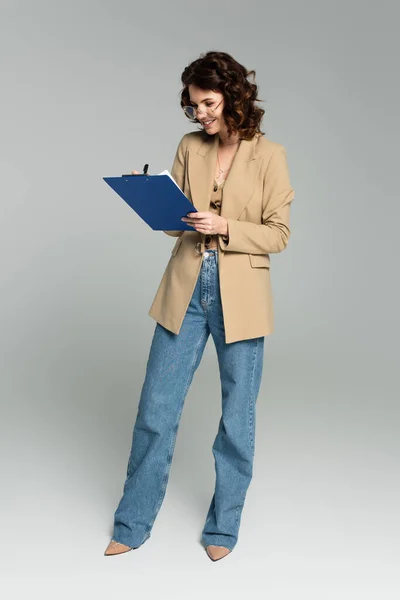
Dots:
pixel 256 200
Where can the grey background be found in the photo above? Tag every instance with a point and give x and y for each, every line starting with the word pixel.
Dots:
pixel 90 89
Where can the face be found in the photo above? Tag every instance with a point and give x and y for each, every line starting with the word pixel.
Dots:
pixel 210 107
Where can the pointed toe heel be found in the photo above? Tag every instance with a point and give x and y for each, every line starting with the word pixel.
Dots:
pixel 217 552
pixel 116 548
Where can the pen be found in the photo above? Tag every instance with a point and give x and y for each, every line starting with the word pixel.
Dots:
pixel 145 169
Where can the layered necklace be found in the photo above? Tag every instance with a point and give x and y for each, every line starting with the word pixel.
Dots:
pixel 220 171
pixel 219 164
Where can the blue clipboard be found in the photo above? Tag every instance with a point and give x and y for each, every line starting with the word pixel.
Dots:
pixel 157 199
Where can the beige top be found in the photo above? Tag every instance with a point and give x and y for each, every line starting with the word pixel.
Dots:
pixel 211 241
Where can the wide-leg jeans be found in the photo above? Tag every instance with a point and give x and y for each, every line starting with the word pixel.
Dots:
pixel 172 362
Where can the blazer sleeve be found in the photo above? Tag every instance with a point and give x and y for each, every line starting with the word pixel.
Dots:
pixel 178 173
pixel 273 234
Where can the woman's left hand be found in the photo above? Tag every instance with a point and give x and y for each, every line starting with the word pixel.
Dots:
pixel 207 222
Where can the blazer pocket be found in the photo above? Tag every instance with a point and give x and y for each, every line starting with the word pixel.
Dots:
pixel 177 245
pixel 259 260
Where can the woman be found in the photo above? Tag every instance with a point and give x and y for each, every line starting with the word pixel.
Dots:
pixel 217 281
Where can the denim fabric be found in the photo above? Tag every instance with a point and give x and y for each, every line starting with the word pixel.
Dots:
pixel 172 361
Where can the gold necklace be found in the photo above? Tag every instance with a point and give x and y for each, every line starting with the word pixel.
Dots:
pixel 219 168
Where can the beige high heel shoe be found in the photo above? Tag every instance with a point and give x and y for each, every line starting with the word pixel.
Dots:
pixel 116 548
pixel 217 552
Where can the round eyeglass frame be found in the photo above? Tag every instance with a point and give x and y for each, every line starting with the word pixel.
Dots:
pixel 190 111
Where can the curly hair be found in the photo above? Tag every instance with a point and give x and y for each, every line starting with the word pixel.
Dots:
pixel 220 72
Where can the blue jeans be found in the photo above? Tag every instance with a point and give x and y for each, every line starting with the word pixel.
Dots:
pixel 172 361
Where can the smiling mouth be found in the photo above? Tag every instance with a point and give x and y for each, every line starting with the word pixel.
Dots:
pixel 208 122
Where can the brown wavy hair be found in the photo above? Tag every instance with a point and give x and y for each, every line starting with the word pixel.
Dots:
pixel 220 72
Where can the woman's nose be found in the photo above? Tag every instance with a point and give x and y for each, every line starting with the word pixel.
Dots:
pixel 200 110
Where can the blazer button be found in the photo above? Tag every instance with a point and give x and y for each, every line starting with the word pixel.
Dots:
pixel 213 205
pixel 215 188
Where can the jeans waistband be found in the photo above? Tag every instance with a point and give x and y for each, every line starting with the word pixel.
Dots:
pixel 211 254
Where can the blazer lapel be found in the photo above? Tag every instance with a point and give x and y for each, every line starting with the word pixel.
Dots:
pixel 201 168
pixel 239 185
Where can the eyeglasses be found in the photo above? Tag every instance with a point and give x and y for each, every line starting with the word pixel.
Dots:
pixel 191 111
